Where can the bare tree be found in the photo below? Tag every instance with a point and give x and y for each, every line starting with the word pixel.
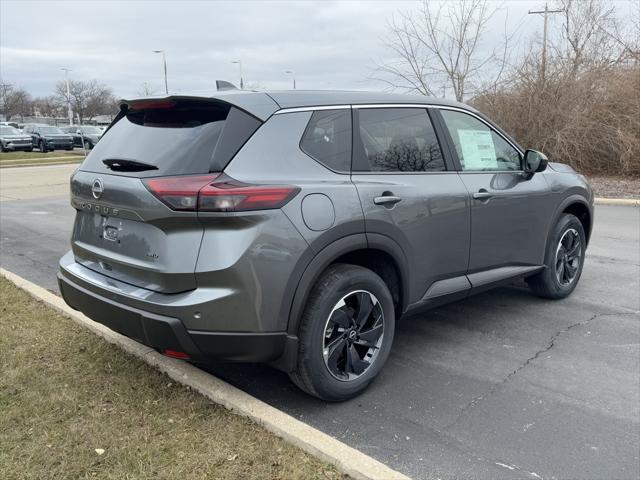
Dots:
pixel 591 36
pixel 88 99
pixel 49 106
pixel 441 47
pixel 14 101
pixel 146 90
pixel 587 112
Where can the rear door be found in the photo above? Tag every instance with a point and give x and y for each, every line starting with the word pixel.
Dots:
pixel 124 231
pixel 510 211
pixel 411 194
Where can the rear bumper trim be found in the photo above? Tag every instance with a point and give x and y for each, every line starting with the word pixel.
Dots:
pixel 163 332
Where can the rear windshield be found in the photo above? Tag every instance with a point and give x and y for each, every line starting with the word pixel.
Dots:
pixel 176 138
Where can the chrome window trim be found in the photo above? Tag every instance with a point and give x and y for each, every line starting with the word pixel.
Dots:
pixel 403 105
pixel 310 109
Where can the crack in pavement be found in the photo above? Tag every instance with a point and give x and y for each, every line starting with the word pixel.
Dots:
pixel 475 400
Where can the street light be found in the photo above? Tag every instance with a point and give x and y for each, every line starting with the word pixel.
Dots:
pixel 66 77
pixel 164 62
pixel 291 72
pixel 240 65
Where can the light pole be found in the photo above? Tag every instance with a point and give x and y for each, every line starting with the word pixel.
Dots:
pixel 240 65
pixel 66 78
pixel 164 62
pixel 291 72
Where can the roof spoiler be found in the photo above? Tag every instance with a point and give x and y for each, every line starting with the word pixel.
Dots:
pixel 222 85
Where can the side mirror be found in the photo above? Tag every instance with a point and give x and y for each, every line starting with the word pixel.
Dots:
pixel 534 161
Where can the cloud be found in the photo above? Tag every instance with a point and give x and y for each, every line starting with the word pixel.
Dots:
pixel 327 44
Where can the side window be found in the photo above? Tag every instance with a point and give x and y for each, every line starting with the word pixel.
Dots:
pixel 327 139
pixel 399 140
pixel 479 148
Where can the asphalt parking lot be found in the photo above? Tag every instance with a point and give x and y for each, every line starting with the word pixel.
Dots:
pixel 501 385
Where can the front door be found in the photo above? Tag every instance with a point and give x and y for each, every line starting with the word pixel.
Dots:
pixel 411 194
pixel 510 211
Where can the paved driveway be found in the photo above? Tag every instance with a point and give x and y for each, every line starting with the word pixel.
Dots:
pixel 502 385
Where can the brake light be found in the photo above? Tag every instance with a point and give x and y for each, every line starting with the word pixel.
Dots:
pixel 218 193
pixel 151 104
pixel 179 193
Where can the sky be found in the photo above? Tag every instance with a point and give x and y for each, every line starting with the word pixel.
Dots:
pixel 329 45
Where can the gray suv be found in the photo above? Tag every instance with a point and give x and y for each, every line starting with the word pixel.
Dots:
pixel 295 228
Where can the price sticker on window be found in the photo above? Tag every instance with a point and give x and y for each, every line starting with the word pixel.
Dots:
pixel 478 151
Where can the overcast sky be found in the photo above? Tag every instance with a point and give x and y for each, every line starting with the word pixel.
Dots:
pixel 328 45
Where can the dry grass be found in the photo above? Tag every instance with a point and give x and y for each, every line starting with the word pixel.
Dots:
pixel 39 162
pixel 591 121
pixel 65 393
pixel 5 156
pixel 615 187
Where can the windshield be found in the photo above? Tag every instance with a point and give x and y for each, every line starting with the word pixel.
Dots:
pixel 4 130
pixel 91 130
pixel 178 138
pixel 50 130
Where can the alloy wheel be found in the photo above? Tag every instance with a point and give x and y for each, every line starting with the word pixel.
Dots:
pixel 353 335
pixel 568 257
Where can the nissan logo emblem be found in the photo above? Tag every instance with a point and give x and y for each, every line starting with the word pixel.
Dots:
pixel 97 188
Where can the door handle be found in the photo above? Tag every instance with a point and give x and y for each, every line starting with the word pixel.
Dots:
pixel 387 200
pixel 482 194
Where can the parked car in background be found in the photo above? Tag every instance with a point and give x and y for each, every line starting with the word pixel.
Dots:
pixel 295 227
pixel 47 137
pixel 12 139
pixel 84 135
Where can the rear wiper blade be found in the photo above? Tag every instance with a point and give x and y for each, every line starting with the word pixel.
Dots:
pixel 127 165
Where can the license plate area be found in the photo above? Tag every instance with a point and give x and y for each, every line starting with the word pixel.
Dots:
pixel 111 233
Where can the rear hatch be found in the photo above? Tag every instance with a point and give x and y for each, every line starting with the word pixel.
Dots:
pixel 125 231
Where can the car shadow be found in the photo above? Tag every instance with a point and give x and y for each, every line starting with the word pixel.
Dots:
pixel 448 327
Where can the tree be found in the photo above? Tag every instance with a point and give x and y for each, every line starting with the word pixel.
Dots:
pixel 592 36
pixel 88 98
pixel 440 48
pixel 146 90
pixel 14 101
pixel 49 106
pixel 586 112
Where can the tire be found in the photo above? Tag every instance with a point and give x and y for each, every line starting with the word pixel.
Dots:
pixel 563 262
pixel 41 146
pixel 326 323
pixel 3 148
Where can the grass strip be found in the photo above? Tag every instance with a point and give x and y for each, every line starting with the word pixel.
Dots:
pixel 39 163
pixel 38 155
pixel 74 406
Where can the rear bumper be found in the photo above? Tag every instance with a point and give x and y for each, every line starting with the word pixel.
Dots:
pixel 163 332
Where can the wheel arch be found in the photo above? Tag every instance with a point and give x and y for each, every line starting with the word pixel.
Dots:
pixel 581 210
pixel 376 252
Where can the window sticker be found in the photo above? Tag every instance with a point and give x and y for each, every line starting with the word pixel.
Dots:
pixel 478 151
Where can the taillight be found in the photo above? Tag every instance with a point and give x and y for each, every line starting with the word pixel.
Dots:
pixel 218 193
pixel 179 193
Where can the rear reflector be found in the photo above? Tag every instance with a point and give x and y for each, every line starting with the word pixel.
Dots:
pixel 217 193
pixel 175 354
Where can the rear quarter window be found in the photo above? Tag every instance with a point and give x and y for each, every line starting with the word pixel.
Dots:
pixel 327 139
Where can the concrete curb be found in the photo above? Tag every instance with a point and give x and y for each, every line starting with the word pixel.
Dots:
pixel 346 459
pixel 617 201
